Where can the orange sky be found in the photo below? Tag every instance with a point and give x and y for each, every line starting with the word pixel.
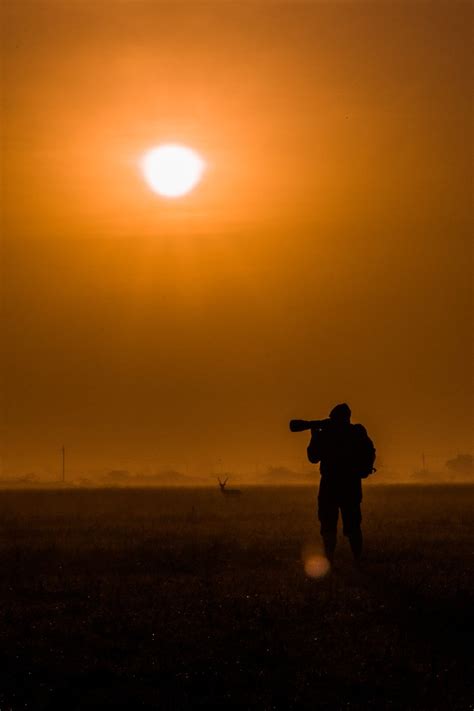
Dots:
pixel 324 257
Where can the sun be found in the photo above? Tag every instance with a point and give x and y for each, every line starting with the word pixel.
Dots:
pixel 172 170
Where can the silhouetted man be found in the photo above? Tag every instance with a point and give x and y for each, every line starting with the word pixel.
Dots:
pixel 346 455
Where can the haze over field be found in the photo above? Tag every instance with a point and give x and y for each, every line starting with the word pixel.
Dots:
pixel 324 257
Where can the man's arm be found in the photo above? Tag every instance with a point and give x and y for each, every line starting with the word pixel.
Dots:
pixel 315 446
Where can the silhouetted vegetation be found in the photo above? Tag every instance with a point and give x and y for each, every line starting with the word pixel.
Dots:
pixel 462 464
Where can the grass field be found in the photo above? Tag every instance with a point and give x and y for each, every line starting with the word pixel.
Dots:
pixel 182 599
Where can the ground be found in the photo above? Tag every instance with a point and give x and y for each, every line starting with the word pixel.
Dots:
pixel 180 599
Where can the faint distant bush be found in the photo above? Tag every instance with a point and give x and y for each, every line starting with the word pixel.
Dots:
pixel 462 464
pixel 167 477
pixel 117 476
pixel 284 475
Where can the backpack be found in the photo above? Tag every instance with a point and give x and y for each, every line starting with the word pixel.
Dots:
pixel 364 452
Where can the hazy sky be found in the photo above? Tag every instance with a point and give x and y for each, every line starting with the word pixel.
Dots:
pixel 325 256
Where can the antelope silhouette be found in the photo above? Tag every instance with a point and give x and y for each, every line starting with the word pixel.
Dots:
pixel 228 492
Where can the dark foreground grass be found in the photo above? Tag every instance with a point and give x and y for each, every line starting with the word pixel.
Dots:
pixel 182 599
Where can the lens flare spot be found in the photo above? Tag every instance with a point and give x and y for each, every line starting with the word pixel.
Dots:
pixel 316 566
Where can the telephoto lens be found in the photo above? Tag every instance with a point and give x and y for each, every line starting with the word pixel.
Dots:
pixel 302 425
pixel 299 425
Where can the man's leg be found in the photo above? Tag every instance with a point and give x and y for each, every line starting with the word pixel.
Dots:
pixel 352 519
pixel 356 542
pixel 328 513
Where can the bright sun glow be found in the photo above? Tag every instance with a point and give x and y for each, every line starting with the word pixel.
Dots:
pixel 172 170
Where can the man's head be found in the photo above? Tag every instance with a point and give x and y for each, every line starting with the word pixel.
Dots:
pixel 341 414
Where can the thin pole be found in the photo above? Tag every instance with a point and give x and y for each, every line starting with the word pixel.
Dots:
pixel 64 463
